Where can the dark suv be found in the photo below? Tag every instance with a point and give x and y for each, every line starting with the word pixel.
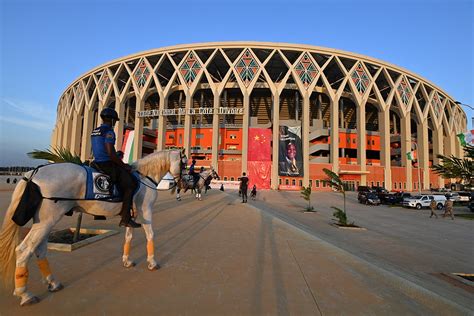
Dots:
pixel 363 188
pixel 368 198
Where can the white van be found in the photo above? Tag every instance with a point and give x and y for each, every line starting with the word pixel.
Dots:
pixel 420 201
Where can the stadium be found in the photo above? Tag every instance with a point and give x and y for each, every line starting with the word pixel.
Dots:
pixel 280 112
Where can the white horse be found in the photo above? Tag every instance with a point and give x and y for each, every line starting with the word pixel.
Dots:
pixel 204 178
pixel 67 180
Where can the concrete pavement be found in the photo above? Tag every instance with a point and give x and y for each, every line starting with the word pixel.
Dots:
pixel 405 242
pixel 220 256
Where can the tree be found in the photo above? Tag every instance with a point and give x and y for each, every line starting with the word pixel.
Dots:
pixel 306 194
pixel 336 183
pixel 452 167
pixel 60 155
pixel 55 155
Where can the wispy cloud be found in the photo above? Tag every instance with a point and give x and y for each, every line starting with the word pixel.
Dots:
pixel 27 113
pixel 47 126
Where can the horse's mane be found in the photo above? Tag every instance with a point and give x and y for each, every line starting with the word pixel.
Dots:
pixel 154 165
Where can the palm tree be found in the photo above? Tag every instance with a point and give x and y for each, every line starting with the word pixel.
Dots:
pixel 452 167
pixel 306 194
pixel 59 154
pixel 336 183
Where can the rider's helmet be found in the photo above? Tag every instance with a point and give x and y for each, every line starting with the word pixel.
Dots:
pixel 109 113
pixel 194 161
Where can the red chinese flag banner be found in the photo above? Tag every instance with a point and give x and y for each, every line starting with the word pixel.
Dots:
pixel 259 164
pixel 260 144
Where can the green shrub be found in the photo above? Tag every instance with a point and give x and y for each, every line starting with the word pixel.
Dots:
pixel 306 194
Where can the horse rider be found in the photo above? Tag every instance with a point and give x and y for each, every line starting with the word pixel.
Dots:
pixel 105 157
pixel 192 172
pixel 191 167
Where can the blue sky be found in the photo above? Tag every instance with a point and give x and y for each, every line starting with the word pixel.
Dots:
pixel 45 45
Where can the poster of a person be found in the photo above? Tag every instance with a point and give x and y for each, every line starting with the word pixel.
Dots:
pixel 290 160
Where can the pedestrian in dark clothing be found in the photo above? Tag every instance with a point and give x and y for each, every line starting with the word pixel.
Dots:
pixel 244 181
pixel 105 157
pixel 222 187
pixel 253 193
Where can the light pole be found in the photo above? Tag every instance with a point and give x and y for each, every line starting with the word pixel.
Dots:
pixel 419 169
pixel 472 108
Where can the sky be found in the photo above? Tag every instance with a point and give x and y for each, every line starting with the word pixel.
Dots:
pixel 46 45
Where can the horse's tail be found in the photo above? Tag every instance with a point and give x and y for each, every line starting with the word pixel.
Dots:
pixel 10 237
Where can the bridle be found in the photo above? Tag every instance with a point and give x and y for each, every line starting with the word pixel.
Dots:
pixel 178 177
pixel 182 166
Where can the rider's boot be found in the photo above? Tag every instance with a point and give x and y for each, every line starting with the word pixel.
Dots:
pixel 127 221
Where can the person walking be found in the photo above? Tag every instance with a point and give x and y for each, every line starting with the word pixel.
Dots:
pixel 448 209
pixel 433 208
pixel 244 181
pixel 253 193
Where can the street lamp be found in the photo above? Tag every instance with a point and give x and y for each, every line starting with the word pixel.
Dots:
pixel 463 104
pixel 418 162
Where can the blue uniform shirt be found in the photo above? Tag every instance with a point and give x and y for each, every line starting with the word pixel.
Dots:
pixel 191 169
pixel 102 135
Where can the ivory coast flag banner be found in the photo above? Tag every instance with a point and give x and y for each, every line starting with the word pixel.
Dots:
pixel 127 146
pixel 466 138
pixel 411 155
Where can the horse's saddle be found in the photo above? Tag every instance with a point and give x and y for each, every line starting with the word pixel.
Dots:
pixel 190 180
pixel 100 187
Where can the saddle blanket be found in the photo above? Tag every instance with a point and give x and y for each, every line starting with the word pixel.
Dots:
pixel 190 180
pixel 100 187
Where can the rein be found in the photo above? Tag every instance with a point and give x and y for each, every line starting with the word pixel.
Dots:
pixel 154 182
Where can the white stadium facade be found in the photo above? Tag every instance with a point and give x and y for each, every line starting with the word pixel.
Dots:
pixel 280 112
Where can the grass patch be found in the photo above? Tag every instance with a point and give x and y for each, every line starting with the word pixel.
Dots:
pixel 466 216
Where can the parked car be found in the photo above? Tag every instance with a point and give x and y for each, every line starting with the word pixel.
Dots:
pixel 363 188
pixel 464 197
pixel 441 190
pixel 369 198
pixel 379 190
pixel 454 196
pixel 420 201
pixel 390 198
pixel 393 198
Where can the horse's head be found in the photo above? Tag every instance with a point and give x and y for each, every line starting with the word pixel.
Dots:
pixel 178 162
pixel 184 159
pixel 214 174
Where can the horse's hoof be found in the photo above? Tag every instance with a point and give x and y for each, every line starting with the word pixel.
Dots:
pixel 30 301
pixel 55 288
pixel 129 264
pixel 154 267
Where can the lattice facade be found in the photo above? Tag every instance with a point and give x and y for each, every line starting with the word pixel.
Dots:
pixel 250 66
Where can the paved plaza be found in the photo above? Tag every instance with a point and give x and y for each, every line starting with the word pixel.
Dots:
pixel 221 256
